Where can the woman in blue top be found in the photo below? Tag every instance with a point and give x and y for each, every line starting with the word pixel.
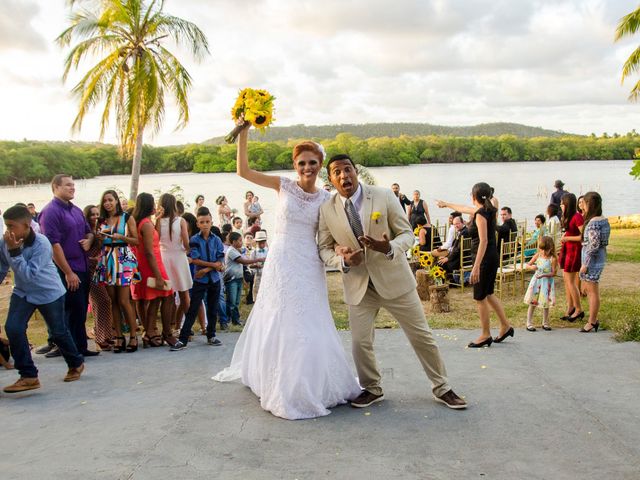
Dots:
pixel 595 238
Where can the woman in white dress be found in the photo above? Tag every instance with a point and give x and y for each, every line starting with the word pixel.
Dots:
pixel 174 247
pixel 289 352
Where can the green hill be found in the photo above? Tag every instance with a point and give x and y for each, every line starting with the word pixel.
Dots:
pixel 370 130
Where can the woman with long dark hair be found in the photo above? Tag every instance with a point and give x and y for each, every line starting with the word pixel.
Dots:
pixel 118 266
pixel 572 224
pixel 98 296
pixel 482 230
pixel 154 288
pixel 174 247
pixel 595 238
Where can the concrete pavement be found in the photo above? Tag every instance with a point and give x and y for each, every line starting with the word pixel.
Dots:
pixel 545 405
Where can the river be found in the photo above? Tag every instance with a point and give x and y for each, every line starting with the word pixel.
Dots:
pixel 524 186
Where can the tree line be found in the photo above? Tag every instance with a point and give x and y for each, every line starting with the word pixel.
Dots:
pixel 370 130
pixel 31 161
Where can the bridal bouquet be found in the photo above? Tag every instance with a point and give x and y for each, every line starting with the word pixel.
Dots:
pixel 255 107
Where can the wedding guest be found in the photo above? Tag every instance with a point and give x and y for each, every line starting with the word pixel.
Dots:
pixel 485 266
pixel 237 225
pixel 124 204
pixel 572 224
pixel 255 225
pixel 508 226
pixel 553 218
pixel 255 208
pixel 192 229
pixel 64 225
pixel 247 251
pixel 418 207
pixel 260 253
pixel 450 259
pixel 32 210
pixel 153 290
pixel 424 233
pixel 224 211
pixel 234 275
pixel 207 255
pixel 118 266
pixel 98 297
pixel 179 208
pixel 542 291
pixel 595 239
pixel 444 249
pixel 247 207
pixel 174 248
pixel 402 198
pixel 580 205
pixel 29 255
pixel 531 247
pixel 34 224
pixel 199 203
pixel 556 197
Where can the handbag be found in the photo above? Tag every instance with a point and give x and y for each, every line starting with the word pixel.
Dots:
pixel 247 274
pixel 151 283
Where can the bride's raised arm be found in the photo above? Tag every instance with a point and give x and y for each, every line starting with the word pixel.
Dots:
pixel 248 173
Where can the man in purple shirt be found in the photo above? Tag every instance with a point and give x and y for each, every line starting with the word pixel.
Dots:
pixel 70 235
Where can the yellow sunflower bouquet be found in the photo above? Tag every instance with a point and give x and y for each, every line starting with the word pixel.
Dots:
pixel 428 262
pixel 255 107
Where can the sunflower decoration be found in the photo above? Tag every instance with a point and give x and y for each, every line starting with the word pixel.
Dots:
pixel 255 107
pixel 426 260
pixel 438 274
pixel 415 251
pixel 416 231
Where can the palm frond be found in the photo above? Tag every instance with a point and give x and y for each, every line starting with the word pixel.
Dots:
pixel 628 25
pixel 632 65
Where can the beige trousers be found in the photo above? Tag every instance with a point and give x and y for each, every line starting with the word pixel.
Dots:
pixel 407 310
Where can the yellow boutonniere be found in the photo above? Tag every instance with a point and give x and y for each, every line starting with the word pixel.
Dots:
pixel 376 216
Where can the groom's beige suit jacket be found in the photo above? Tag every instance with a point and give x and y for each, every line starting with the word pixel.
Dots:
pixel 381 213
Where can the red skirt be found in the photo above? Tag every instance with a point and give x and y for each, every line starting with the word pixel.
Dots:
pixel 570 257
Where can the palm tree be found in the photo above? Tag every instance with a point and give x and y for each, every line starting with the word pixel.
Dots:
pixel 628 25
pixel 135 69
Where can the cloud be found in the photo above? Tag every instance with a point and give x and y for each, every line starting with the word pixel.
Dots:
pixel 16 31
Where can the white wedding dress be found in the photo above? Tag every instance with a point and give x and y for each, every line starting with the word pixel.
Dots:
pixel 289 352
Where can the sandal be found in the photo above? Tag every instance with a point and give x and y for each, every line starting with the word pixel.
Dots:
pixel 156 341
pixel 132 347
pixel 170 339
pixel 120 345
pixel 531 328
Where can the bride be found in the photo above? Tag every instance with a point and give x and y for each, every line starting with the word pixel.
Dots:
pixel 289 352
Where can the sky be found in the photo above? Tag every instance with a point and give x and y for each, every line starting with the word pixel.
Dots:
pixel 551 64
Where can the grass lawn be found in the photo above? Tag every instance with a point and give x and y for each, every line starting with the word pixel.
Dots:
pixel 620 291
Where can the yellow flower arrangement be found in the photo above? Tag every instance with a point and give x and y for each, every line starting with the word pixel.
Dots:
pixel 376 216
pixel 416 232
pixel 426 260
pixel 415 251
pixel 255 107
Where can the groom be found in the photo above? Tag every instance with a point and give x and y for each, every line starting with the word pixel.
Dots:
pixel 364 233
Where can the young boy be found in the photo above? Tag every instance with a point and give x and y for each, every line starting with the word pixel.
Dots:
pixel 37 286
pixel 260 253
pixel 233 276
pixel 237 225
pixel 207 254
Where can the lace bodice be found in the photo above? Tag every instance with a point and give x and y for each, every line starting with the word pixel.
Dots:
pixel 298 211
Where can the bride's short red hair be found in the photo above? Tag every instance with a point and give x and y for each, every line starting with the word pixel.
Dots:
pixel 307 146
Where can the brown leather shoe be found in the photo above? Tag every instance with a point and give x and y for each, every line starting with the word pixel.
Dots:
pixel 365 399
pixel 22 385
pixel 74 374
pixel 451 400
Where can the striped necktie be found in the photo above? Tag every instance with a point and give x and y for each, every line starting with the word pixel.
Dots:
pixel 354 219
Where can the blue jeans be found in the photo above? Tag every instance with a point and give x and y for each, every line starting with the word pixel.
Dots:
pixel 234 290
pixel 200 291
pixel 222 307
pixel 20 312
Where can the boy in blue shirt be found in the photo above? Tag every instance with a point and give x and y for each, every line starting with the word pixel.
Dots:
pixel 37 286
pixel 207 254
